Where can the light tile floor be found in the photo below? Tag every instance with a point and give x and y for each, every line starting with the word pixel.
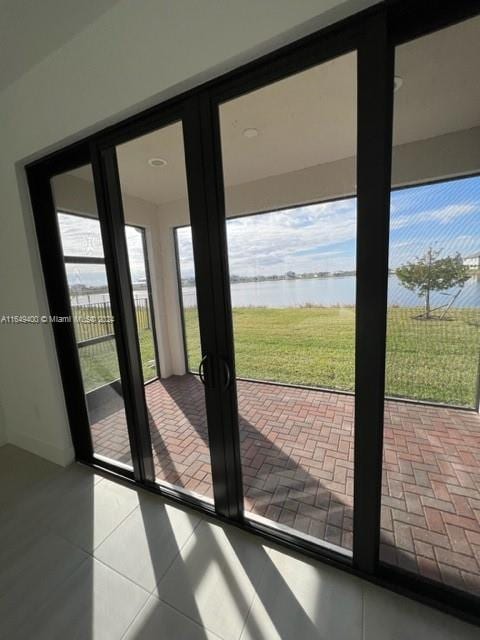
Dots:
pixel 88 558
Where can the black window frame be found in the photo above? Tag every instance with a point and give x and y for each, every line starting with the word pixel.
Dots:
pixel 374 34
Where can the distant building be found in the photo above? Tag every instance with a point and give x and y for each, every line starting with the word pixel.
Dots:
pixel 473 261
pixel 78 288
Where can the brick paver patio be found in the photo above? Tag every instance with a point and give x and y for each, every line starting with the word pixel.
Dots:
pixel 297 457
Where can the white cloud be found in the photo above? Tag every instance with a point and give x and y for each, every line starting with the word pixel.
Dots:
pixel 442 215
pixel 81 236
pixel 449 245
pixel 301 239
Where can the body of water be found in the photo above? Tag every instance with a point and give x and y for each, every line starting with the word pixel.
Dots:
pixel 318 291
pixel 330 292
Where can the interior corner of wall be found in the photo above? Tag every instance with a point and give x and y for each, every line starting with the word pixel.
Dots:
pixel 63 456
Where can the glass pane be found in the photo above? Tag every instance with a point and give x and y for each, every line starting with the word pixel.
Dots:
pixel 136 245
pixel 154 193
pixel 92 315
pixel 300 293
pixel 431 474
pixel 77 213
pixel 80 236
pixel 289 169
pixel 189 296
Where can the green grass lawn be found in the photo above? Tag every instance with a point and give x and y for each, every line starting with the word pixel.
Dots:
pixel 427 360
pixel 99 362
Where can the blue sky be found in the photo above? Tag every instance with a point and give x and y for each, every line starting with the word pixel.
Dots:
pixel 445 215
pixel 322 237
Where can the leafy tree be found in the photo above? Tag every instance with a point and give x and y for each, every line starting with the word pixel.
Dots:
pixel 433 273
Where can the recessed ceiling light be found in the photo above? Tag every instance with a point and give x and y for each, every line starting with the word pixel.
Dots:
pixel 157 162
pixel 397 83
pixel 250 133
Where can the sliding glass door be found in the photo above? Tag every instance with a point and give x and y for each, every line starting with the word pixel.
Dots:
pixel 154 195
pixel 289 162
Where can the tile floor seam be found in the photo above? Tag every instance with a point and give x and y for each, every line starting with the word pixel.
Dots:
pixel 158 597
pixel 254 595
pixel 115 528
pixel 45 603
pixel 89 552
pixel 247 617
pixel 142 608
pixel 90 556
pixel 175 557
pixel 134 584
pixel 132 621
pixel 109 566
pixel 185 615
pixel 119 573
pixel 130 514
pixel 70 572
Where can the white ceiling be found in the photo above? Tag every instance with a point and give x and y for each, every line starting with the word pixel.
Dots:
pixel 441 90
pixel 310 118
pixel 32 29
pixel 154 184
pixel 304 120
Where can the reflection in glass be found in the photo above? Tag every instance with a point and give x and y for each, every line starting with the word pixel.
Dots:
pixel 80 235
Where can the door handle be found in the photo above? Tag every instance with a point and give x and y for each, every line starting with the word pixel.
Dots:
pixel 201 369
pixel 228 375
